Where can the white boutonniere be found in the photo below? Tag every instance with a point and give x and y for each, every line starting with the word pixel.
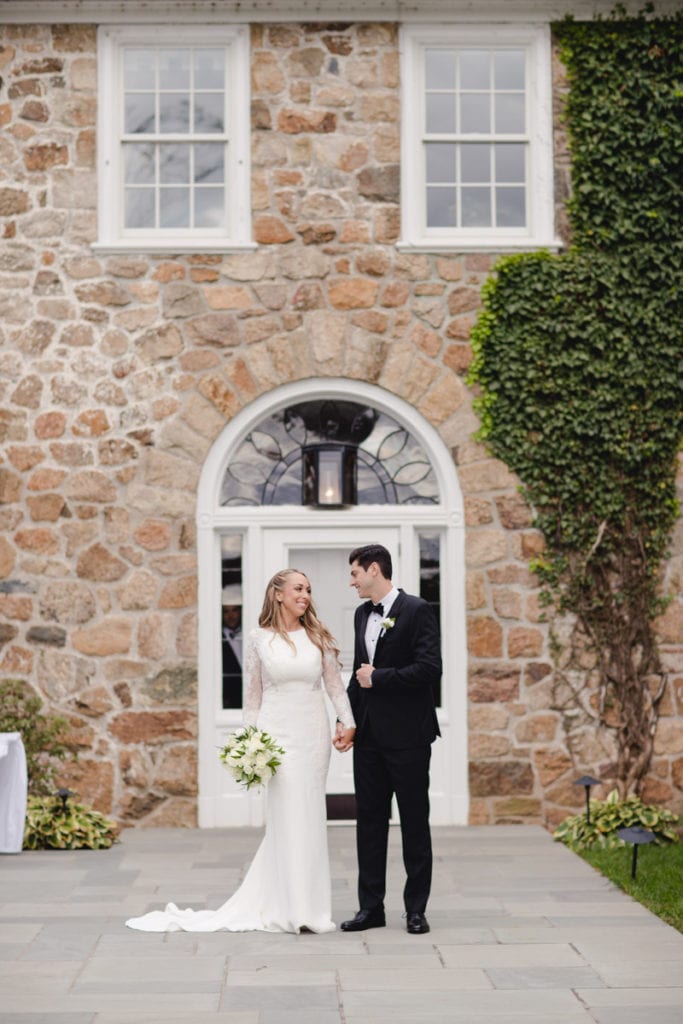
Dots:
pixel 387 624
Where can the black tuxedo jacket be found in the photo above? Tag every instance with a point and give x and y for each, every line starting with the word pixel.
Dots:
pixel 398 709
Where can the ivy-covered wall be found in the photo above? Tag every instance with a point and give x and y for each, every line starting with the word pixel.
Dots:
pixel 580 362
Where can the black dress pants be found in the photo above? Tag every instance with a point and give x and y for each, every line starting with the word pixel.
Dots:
pixel 378 774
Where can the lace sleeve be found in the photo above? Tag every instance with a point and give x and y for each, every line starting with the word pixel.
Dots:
pixel 253 684
pixel 336 691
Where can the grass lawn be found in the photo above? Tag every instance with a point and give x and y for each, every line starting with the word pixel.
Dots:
pixel 659 877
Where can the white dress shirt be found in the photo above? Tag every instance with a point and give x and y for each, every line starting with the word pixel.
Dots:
pixel 373 629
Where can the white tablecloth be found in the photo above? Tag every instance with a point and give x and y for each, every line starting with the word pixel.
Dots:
pixel 13 783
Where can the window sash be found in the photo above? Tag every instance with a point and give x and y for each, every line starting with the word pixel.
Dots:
pixel 199 77
pixel 496 211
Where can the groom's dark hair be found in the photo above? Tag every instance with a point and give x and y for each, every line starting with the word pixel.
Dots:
pixel 370 553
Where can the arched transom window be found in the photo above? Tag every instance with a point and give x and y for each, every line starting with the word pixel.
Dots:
pixel 287 457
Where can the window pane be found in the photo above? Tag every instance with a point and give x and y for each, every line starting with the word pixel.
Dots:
pixel 475 162
pixel 476 207
pixel 138 115
pixel 209 69
pixel 174 69
pixel 174 164
pixel 441 207
pixel 440 162
pixel 475 113
pixel 510 162
pixel 440 112
pixel 508 69
pixel 139 164
pixel 139 208
pixel 209 207
pixel 509 113
pixel 174 208
pixel 510 207
pixel 139 69
pixel 231 620
pixel 174 112
pixel 440 69
pixel 430 583
pixel 209 162
pixel 475 69
pixel 209 112
pixel 370 487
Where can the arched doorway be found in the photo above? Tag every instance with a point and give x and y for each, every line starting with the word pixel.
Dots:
pixel 265 500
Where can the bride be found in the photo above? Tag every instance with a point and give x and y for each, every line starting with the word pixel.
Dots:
pixel 287 887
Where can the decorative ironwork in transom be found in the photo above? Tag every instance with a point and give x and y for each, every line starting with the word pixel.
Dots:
pixel 267 468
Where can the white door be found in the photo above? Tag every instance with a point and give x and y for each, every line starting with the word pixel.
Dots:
pixel 323 556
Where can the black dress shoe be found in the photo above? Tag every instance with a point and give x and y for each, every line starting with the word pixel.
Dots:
pixel 363 920
pixel 417 924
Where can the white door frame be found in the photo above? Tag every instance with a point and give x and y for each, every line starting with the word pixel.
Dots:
pixel 219 798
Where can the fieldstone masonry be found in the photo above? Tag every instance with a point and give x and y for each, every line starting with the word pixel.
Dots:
pixel 118 372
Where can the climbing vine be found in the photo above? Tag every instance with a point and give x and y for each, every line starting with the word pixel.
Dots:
pixel 579 358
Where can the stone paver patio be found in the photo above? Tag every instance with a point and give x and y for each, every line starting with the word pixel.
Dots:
pixel 523 932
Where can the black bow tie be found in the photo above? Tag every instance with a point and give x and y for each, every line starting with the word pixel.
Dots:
pixel 379 608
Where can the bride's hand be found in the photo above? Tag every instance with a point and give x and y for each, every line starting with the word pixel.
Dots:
pixel 343 739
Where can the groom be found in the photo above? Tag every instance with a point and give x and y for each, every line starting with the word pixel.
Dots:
pixel 396 663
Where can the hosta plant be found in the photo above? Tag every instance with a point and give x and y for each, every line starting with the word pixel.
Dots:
pixel 607 816
pixel 49 826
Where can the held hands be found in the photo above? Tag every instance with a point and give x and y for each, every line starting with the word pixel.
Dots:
pixel 364 676
pixel 343 738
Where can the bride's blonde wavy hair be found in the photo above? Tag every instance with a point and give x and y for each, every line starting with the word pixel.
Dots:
pixel 271 615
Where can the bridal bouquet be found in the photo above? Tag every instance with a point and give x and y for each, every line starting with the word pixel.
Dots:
pixel 251 756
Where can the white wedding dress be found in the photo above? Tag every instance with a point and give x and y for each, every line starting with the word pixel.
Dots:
pixel 287 886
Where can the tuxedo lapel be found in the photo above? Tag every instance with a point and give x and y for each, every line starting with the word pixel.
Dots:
pixel 362 627
pixel 394 613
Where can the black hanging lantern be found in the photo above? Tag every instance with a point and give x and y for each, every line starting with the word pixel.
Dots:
pixel 329 475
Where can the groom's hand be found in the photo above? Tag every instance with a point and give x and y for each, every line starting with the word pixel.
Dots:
pixel 343 739
pixel 364 676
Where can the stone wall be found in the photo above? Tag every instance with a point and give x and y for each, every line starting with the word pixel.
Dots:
pixel 117 373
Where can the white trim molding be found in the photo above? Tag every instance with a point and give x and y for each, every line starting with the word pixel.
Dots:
pixel 140 12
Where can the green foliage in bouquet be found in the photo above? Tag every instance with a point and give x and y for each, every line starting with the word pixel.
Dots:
pixel 49 826
pixel 42 735
pixel 607 816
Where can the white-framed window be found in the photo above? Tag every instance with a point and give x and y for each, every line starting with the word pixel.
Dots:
pixel 476 157
pixel 173 138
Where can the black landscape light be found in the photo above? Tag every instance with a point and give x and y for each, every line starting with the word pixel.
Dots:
pixel 64 795
pixel 587 781
pixel 636 836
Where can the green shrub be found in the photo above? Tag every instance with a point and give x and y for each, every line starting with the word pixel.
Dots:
pixel 49 826
pixel 607 816
pixel 43 736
